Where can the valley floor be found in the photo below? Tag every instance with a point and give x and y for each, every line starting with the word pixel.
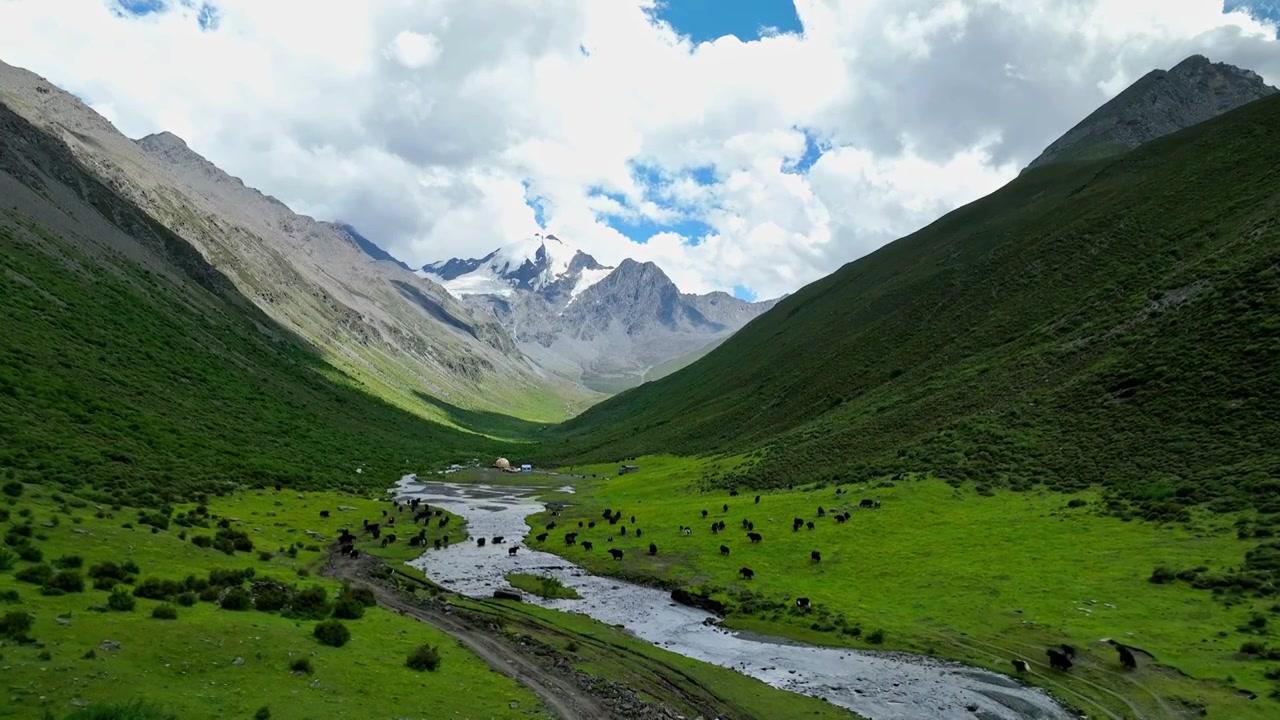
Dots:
pixel 980 578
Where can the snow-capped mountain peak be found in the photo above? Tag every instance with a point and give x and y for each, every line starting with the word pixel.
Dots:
pixel 541 263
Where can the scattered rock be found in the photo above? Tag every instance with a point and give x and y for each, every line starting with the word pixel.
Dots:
pixel 63 621
pixel 238 661
pixel 109 645
pixel 271 513
pixel 344 508
pixel 80 531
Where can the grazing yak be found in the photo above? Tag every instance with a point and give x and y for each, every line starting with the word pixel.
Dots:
pixel 686 531
pixel 512 550
pixel 616 553
pixel 755 537
pixel 591 524
pixel 324 513
pixel 579 523
pixel 606 514
pixel 637 532
pixel 841 518
pixel 704 513
pixel 443 521
pixel 815 556
pixel 1020 665
pixel 570 538
pixel 1127 660
pixel 802 602
pixel 1058 660
pixel 746 573
pixel 437 543
pixel 551 526
pixel 809 525
pixel 624 531
pixel 733 493
pixel 633 519
pixel 540 537
pixel 757 499
pixel 653 549
pixel 586 545
pixel 744 523
pixel 821 512
pixel 715 527
pixel 497 540
pixel 480 542
pixel 724 549
pixel 726 507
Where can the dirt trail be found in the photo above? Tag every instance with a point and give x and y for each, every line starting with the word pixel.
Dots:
pixel 557 690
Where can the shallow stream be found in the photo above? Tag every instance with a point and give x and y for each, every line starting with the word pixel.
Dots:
pixel 876 685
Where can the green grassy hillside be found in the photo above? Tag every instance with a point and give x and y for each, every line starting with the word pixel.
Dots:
pixel 1114 322
pixel 132 371
pixel 657 372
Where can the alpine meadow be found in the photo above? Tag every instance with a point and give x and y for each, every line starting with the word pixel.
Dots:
pixel 1022 463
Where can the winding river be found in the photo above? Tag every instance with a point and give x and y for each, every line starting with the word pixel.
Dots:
pixel 876 685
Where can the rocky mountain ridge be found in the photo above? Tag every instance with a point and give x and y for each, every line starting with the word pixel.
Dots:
pixel 602 326
pixel 1159 103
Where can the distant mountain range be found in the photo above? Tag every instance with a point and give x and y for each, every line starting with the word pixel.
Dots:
pixel 603 326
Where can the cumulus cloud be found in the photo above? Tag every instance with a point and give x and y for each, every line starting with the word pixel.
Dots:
pixel 430 124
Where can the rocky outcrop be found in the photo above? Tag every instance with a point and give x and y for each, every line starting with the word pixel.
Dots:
pixel 1158 104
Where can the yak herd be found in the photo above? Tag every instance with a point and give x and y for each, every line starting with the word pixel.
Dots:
pixel 1060 658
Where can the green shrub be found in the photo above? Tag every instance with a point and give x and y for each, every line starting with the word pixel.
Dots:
pixel 13 489
pixel 14 625
pixel 186 599
pixel 424 657
pixel 1076 503
pixel 310 604
pixel 10 597
pixel 1162 575
pixel 1253 647
pixel 271 596
pixel 202 541
pixel 30 553
pixel 69 562
pixel 68 581
pixel 131 567
pixel 165 612
pixel 332 633
pixel 210 594
pixel 876 637
pixel 7 560
pixel 264 713
pixel 222 577
pixel 35 574
pixel 302 666
pixel 265 555
pixel 236 599
pixel 157 589
pixel 362 595
pixel 104 583
pixel 348 609
pixel 120 601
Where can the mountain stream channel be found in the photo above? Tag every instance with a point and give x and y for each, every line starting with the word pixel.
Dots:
pixel 876 685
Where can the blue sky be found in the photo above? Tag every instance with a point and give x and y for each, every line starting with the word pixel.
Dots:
pixel 1260 9
pixel 710 19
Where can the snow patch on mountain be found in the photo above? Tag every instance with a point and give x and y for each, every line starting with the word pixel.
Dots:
pixel 541 263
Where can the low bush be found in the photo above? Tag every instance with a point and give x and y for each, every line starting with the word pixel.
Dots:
pixel 270 596
pixel 362 595
pixel 424 657
pixel 104 583
pixel 302 666
pixel 157 589
pixel 7 560
pixel 332 633
pixel 264 713
pixel 14 625
pixel 10 597
pixel 186 599
pixel 120 601
pixel 69 562
pixel 30 553
pixel 310 604
pixel 236 599
pixel 67 581
pixel 165 612
pixel 876 637
pixel 35 574
pixel 348 609
pixel 13 489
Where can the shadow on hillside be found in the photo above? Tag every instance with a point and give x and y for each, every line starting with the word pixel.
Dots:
pixel 432 308
pixel 485 422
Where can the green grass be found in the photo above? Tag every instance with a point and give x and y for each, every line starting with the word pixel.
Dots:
pixel 542 586
pixel 186 666
pixel 980 577
pixel 120 389
pixel 1109 323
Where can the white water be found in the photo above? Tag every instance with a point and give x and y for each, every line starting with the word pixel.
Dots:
pixel 877 685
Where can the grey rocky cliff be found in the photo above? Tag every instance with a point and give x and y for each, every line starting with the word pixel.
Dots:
pixel 600 326
pixel 1160 103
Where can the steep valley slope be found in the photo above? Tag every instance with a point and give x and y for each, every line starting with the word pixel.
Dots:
pixel 135 371
pixel 400 336
pixel 1104 322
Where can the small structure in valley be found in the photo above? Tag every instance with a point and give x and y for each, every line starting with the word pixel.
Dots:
pixel 628 469
pixel 526 467
pixel 502 464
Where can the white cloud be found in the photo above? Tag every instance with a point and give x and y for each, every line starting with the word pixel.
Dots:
pixel 413 50
pixel 422 122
